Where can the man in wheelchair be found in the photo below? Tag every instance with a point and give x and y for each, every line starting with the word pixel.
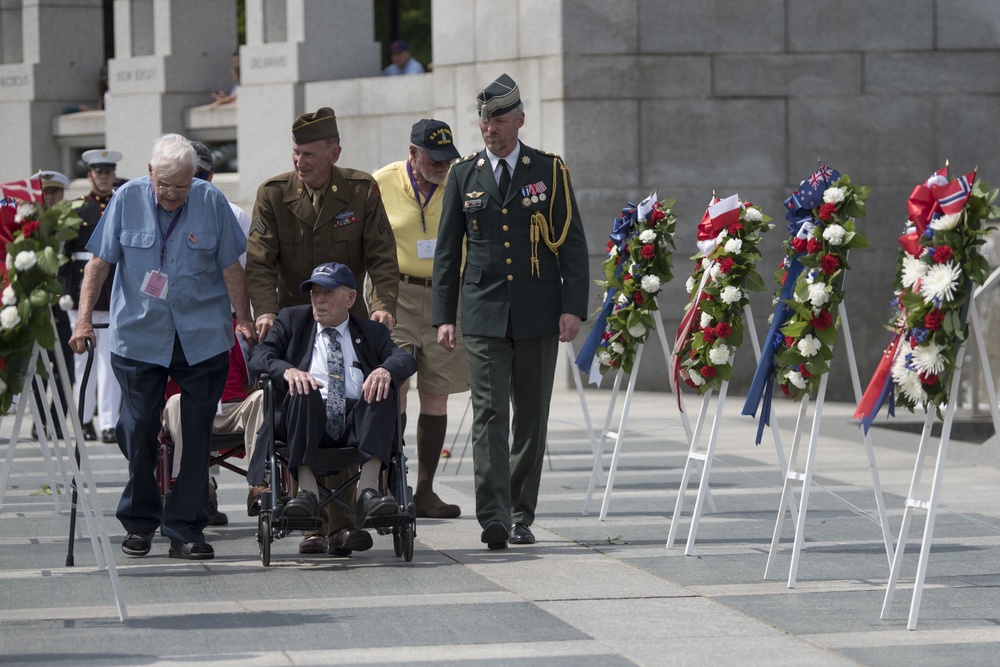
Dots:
pixel 335 378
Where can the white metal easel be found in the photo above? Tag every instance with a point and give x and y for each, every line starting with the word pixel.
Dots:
pixel 82 472
pixel 913 502
pixel 805 476
pixel 695 456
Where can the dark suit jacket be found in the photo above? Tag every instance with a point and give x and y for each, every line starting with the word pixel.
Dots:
pixel 498 285
pixel 290 344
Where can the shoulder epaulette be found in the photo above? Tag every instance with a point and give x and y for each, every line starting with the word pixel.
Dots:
pixel 468 157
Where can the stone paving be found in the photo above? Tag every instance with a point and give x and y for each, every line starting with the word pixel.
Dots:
pixel 589 592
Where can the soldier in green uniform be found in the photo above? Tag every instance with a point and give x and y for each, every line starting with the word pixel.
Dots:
pixel 523 290
pixel 320 213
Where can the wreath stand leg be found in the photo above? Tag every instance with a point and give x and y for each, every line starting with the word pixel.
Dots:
pixel 619 434
pixel 791 475
pixel 694 455
pixel 87 498
pixel 913 502
pixel 587 423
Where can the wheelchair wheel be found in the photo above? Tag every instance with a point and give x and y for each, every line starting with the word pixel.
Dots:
pixel 397 541
pixel 408 532
pixel 264 537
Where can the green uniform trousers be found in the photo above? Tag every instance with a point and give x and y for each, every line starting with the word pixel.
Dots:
pixel 505 372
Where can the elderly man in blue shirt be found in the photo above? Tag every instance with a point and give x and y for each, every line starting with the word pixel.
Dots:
pixel 176 247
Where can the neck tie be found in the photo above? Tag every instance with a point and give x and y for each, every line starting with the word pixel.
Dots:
pixel 317 199
pixel 504 178
pixel 336 392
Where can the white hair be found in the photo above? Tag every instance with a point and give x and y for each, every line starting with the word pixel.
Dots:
pixel 173 154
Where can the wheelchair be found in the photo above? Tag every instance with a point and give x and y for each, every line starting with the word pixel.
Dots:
pixel 224 446
pixel 273 525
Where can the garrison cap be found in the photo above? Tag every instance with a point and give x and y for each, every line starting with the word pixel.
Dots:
pixel 497 98
pixel 52 179
pixel 434 136
pixel 101 158
pixel 310 127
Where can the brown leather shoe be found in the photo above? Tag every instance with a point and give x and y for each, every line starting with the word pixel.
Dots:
pixel 313 544
pixel 430 506
pixel 346 540
pixel 253 499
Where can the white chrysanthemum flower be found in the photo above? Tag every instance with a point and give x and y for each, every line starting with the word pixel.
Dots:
pixel 946 222
pixel 617 347
pixel 647 236
pixel 25 211
pixel 753 215
pixel 706 263
pixel 689 284
pixel 927 359
pixel 913 270
pixel 809 345
pixel 733 246
pixel 706 320
pixel 66 302
pixel 899 369
pixel 637 330
pixel 715 273
pixel 9 318
pixel 818 294
pixel 9 298
pixel 723 235
pixel 797 379
pixel 730 294
pixel 719 355
pixel 833 195
pixel 834 234
pixel 696 378
pixel 941 281
pixel 25 260
pixel 912 388
pixel 650 284
pixel 604 358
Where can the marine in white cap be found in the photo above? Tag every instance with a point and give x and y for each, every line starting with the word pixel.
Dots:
pixel 54 186
pixel 101 172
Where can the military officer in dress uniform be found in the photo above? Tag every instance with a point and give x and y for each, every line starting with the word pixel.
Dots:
pixel 320 213
pixel 524 289
pixel 101 165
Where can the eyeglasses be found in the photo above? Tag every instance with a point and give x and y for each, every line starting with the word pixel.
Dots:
pixel 172 189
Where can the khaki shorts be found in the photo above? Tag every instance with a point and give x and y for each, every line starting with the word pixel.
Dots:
pixel 438 371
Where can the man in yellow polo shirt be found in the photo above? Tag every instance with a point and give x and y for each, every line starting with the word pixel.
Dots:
pixel 411 192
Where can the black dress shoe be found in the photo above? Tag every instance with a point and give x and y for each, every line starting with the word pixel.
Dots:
pixel 137 544
pixel 495 535
pixel 302 505
pixel 108 436
pixel 371 503
pixel 191 550
pixel 521 534
pixel 349 539
pixel 88 432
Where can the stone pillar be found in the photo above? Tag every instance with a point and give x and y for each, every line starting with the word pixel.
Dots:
pixel 290 43
pixel 50 56
pixel 169 55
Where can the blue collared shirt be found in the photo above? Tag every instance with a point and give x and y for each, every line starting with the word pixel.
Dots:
pixel 204 241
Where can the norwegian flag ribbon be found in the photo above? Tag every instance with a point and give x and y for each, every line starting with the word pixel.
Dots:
pixel 951 197
pixel 880 387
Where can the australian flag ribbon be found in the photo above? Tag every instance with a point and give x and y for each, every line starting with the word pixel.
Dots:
pixel 799 205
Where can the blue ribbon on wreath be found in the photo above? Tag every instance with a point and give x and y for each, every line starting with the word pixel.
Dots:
pixel 622 229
